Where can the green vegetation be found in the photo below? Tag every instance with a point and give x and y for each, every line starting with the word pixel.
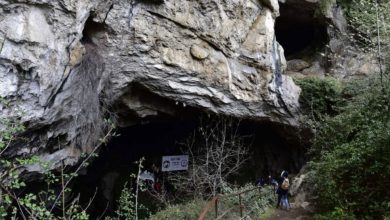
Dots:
pixel 255 202
pixel 351 124
pixel 351 149
pixel 351 121
pixel 39 205
pixel 366 19
pixel 368 26
pixel 369 22
pixel 189 210
pixel 352 162
pixel 320 96
pixel 52 200
pixel 129 206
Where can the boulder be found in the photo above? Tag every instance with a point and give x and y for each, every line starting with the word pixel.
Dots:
pixel 297 65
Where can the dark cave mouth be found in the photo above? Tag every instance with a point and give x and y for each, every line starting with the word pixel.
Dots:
pixel 151 126
pixel 299 31
pixel 162 136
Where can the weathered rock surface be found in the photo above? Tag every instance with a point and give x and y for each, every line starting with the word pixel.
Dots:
pixel 297 65
pixel 62 61
pixel 302 190
pixel 329 47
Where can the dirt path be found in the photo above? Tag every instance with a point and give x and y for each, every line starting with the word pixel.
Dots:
pixel 292 214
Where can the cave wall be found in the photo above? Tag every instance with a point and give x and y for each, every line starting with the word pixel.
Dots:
pixel 67 64
pixel 317 41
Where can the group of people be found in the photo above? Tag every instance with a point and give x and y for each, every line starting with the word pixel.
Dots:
pixel 281 186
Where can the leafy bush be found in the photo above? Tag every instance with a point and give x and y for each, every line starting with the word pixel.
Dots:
pixel 319 95
pixel 126 206
pixel 353 148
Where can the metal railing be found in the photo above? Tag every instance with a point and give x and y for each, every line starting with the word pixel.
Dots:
pixel 213 203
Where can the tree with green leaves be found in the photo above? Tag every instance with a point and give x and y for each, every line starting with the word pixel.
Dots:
pixel 352 156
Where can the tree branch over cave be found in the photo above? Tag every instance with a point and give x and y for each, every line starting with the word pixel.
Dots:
pixel 216 151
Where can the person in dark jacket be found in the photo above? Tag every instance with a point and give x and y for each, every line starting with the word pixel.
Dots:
pixel 281 192
pixel 260 182
pixel 272 182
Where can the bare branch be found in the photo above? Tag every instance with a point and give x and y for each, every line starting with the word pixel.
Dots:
pixel 216 151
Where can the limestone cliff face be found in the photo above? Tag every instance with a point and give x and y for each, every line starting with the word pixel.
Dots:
pixel 65 64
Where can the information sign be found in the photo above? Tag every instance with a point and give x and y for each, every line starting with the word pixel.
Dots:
pixel 174 163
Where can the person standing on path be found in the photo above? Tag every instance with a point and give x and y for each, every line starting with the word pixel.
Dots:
pixel 283 185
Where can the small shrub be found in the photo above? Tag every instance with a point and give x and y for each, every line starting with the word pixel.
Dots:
pixel 126 206
pixel 129 206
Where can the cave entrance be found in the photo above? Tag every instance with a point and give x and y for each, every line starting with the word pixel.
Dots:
pixel 298 29
pixel 273 147
pixel 270 151
pixel 152 127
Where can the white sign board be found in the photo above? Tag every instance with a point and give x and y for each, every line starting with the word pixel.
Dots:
pixel 174 163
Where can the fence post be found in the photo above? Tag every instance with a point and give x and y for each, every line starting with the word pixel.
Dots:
pixel 239 197
pixel 216 208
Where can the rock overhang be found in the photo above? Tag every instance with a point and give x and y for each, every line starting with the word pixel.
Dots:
pixel 213 57
pixel 208 59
